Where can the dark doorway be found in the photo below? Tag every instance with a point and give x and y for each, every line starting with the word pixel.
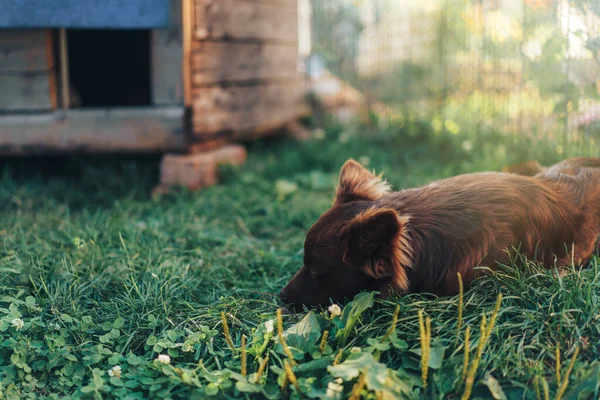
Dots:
pixel 110 68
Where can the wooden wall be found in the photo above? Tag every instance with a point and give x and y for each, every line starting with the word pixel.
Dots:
pixel 26 71
pixel 244 60
pixel 239 78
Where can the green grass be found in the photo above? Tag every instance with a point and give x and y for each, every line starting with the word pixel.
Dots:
pixel 102 274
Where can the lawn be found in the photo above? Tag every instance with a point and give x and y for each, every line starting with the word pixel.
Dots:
pixel 108 292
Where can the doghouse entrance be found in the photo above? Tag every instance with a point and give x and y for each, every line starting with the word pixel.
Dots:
pixel 109 68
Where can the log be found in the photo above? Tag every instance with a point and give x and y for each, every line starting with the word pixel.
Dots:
pixel 93 131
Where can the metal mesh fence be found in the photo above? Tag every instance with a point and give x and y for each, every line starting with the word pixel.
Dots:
pixel 528 67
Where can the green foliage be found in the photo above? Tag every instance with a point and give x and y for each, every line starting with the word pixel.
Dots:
pixel 351 315
pixel 517 67
pixel 106 292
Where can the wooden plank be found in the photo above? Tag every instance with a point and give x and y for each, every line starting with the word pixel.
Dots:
pixel 241 110
pixel 245 20
pixel 22 51
pixel 281 3
pixel 24 91
pixel 167 55
pixel 51 66
pixel 231 62
pixel 64 69
pixel 188 17
pixel 94 131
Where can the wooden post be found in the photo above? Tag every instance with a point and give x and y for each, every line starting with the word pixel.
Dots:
pixel 64 69
pixel 51 65
pixel 188 26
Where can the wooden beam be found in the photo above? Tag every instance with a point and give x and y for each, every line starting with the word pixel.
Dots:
pixel 94 131
pixel 64 70
pixel 51 65
pixel 188 27
pixel 218 62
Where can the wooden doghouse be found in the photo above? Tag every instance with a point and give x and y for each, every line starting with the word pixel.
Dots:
pixel 178 76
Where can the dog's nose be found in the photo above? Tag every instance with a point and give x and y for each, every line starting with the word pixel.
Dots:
pixel 284 297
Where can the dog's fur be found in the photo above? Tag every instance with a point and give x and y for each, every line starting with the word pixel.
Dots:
pixel 417 240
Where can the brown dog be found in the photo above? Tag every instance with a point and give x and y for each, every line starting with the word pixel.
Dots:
pixel 417 240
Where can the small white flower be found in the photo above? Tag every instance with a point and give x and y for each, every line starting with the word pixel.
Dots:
pixel 164 358
pixel 334 389
pixel 335 310
pixel 17 323
pixel 115 371
pixel 269 326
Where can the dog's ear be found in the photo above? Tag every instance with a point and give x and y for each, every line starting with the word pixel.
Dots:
pixel 357 183
pixel 377 242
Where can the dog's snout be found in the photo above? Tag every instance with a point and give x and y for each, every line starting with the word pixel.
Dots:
pixel 283 297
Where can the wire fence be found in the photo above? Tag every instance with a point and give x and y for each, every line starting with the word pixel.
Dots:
pixel 528 67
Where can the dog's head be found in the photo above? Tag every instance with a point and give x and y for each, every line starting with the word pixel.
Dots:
pixel 354 246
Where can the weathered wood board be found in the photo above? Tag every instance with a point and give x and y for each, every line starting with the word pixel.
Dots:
pixel 241 110
pixel 246 20
pixel 167 56
pixel 245 67
pixel 215 62
pixel 22 51
pixel 94 131
pixel 281 3
pixel 24 91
